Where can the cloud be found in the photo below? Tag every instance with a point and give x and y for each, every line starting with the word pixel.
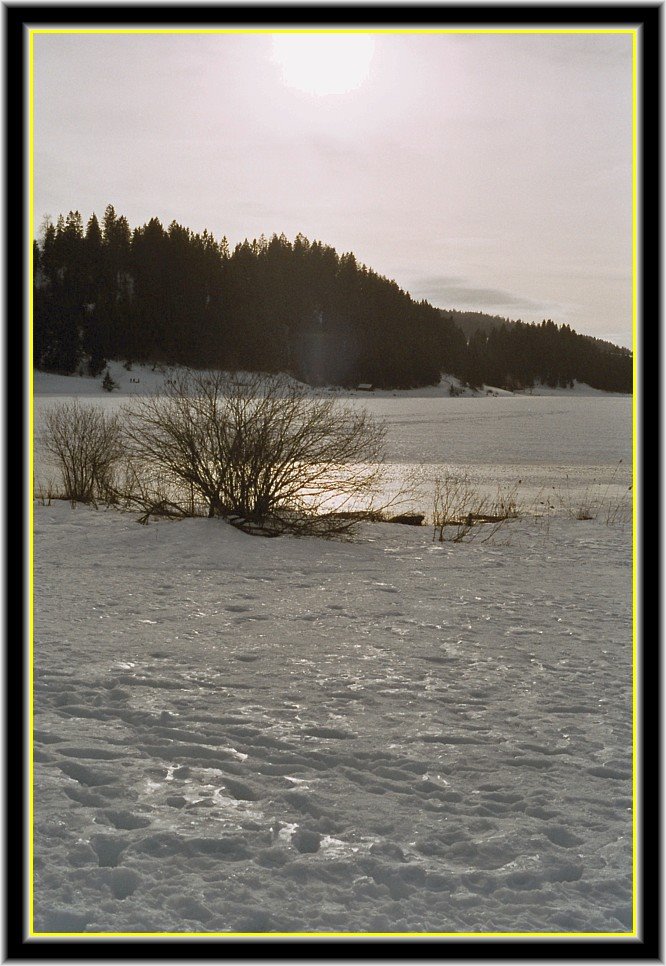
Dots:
pixel 449 292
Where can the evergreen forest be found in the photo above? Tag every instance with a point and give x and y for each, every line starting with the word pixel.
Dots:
pixel 104 290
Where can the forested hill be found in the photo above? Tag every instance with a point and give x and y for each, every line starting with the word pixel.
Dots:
pixel 471 322
pixel 169 295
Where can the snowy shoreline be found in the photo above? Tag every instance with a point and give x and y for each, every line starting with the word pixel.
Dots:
pixel 147 379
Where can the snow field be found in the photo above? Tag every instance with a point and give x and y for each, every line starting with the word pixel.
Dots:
pixel 234 734
pixel 142 379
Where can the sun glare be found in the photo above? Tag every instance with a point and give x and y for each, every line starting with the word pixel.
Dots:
pixel 323 63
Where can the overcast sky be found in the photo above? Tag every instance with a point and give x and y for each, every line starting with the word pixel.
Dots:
pixel 481 172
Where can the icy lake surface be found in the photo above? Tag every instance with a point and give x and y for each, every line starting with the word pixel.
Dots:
pixel 389 735
pixel 577 446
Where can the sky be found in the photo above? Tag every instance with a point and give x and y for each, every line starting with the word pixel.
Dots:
pixel 484 173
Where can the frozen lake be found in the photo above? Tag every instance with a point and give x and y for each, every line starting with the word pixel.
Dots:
pixel 507 430
pixel 571 447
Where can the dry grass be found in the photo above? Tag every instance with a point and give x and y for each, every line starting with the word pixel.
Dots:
pixel 462 512
pixel 598 501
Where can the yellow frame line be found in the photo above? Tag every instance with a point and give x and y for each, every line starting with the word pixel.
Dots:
pixel 634 568
pixel 331 30
pixel 341 935
pixel 32 32
pixel 30 236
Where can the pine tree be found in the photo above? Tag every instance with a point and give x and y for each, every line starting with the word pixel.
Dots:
pixel 108 383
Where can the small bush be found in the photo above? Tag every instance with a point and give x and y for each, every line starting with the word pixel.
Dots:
pixel 257 448
pixel 85 443
pixel 459 508
pixel 608 501
pixel 45 492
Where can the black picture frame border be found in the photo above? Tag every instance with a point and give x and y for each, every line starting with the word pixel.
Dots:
pixel 17 18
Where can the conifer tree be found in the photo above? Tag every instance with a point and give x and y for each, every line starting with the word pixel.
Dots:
pixel 108 382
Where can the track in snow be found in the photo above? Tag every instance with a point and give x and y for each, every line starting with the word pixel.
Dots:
pixel 234 734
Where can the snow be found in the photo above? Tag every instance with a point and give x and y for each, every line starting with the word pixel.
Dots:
pixel 568 447
pixel 387 735
pixel 142 379
pixel 391 735
pixel 135 381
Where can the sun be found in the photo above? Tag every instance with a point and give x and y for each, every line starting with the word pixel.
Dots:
pixel 323 63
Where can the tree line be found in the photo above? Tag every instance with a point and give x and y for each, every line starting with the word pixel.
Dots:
pixel 169 295
pixel 518 355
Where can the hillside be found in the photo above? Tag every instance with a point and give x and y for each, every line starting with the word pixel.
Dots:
pixel 171 296
pixel 471 322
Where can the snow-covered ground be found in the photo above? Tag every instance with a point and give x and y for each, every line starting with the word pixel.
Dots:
pixel 142 379
pixel 234 734
pixel 390 735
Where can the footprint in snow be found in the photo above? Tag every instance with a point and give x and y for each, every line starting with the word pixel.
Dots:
pixel 561 836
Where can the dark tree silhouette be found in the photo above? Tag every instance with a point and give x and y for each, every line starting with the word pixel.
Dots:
pixel 272 305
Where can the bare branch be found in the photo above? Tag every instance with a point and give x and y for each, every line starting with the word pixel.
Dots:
pixel 261 448
pixel 86 444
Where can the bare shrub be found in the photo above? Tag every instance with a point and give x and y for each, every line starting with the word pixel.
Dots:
pixel 45 491
pixel 459 508
pixel 259 448
pixel 619 511
pixel 139 486
pixel 85 443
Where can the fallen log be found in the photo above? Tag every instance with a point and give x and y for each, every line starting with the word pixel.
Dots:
pixel 410 519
